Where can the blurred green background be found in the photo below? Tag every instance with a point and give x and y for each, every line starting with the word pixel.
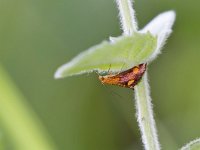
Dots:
pixel 37 36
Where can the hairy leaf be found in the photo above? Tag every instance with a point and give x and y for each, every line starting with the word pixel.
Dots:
pixel 118 55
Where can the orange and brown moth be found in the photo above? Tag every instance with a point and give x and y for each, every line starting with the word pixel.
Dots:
pixel 128 78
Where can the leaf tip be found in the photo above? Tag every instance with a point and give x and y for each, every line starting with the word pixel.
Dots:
pixel 169 16
pixel 57 74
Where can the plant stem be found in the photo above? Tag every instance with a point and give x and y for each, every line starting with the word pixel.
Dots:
pixel 142 92
pixel 145 115
pixel 127 16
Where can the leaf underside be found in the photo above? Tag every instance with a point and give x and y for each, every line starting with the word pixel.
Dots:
pixel 122 54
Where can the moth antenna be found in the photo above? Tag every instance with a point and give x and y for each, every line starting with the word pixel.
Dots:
pixel 109 69
pixel 121 68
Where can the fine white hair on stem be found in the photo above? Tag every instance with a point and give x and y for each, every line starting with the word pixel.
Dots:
pixel 145 115
pixel 127 16
pixel 142 92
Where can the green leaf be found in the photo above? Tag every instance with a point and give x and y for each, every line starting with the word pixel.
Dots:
pixel 193 145
pixel 122 54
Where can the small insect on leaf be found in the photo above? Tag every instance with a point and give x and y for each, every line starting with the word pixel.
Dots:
pixel 128 78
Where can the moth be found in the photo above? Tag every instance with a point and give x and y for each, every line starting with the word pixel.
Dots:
pixel 127 79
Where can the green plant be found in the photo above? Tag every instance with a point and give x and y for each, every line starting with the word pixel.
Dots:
pixel 20 123
pixel 121 53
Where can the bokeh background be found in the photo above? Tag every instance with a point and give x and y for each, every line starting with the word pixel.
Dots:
pixel 79 113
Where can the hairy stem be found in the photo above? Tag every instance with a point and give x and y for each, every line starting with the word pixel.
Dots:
pixel 145 115
pixel 127 16
pixel 142 92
